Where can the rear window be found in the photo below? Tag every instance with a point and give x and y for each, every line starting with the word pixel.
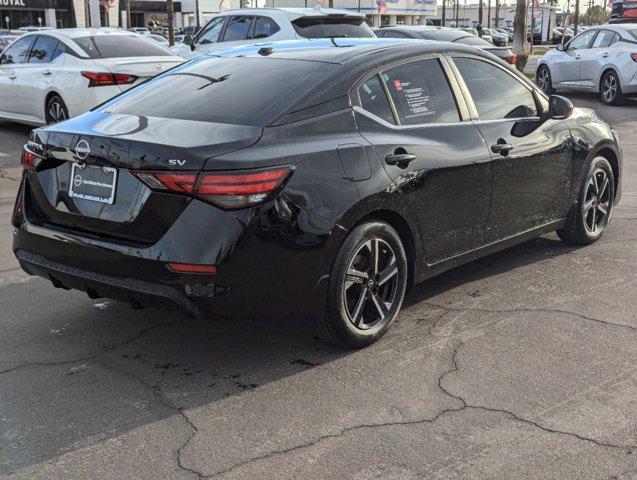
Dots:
pixel 633 33
pixel 475 41
pixel 239 91
pixel 118 46
pixel 328 27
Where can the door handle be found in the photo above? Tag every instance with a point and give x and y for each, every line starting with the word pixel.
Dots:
pixel 46 72
pixel 12 76
pixel 605 54
pixel 400 158
pixel 501 147
pixel 577 57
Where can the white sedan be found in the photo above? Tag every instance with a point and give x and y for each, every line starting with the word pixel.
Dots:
pixel 602 59
pixel 47 77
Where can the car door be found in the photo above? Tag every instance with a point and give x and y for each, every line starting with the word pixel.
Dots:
pixel 531 152
pixel 594 59
pixel 420 129
pixel 206 40
pixel 38 74
pixel 566 67
pixel 10 62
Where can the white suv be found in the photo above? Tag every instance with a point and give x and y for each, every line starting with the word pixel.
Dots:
pixel 239 27
pixel 602 59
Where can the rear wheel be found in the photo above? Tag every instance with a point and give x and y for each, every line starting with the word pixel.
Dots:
pixel 56 110
pixel 366 288
pixel 610 90
pixel 594 206
pixel 543 79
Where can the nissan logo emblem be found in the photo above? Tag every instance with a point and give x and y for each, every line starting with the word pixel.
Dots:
pixel 82 149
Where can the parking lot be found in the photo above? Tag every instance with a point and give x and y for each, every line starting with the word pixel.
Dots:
pixel 519 365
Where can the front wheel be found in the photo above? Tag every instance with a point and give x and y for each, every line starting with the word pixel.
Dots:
pixel 366 287
pixel 597 194
pixel 543 79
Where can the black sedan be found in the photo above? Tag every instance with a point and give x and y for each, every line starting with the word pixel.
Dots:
pixel 320 181
pixel 446 34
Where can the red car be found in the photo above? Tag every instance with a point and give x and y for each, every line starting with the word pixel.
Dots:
pixel 624 12
pixel 5 41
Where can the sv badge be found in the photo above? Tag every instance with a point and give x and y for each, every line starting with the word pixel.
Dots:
pixel 176 163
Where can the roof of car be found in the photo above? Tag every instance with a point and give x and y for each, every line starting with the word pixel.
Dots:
pixel 292 12
pixel 84 32
pixel 441 33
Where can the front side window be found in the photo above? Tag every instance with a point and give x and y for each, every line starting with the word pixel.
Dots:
pixel 264 27
pixel 210 33
pixel 421 93
pixel 17 51
pixel 582 41
pixel 43 50
pixel 374 99
pixel 496 93
pixel 238 29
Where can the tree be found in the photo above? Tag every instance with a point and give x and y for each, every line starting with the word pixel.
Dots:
pixel 595 15
pixel 171 28
pixel 519 28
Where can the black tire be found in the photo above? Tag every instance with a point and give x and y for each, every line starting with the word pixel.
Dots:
pixel 362 300
pixel 590 219
pixel 543 79
pixel 610 89
pixel 55 110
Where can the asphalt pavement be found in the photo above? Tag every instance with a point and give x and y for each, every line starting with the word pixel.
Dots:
pixel 519 365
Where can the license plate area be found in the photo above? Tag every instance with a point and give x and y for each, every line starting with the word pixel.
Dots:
pixel 93 183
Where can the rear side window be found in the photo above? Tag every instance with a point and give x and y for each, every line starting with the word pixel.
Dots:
pixel 604 39
pixel 395 34
pixel 421 93
pixel 238 28
pixel 43 50
pixel 632 33
pixel 332 27
pixel 17 51
pixel 240 91
pixel 496 94
pixel 374 99
pixel 120 46
pixel 264 27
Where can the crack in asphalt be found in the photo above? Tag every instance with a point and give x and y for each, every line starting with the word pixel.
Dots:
pixel 528 309
pixel 464 405
pixel 5 175
pixel 94 355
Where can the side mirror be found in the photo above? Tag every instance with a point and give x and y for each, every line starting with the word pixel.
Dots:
pixel 188 40
pixel 560 47
pixel 560 108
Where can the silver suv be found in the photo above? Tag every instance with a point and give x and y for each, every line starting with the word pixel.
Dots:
pixel 245 26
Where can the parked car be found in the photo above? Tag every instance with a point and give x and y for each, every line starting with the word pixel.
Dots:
pixel 624 12
pixel 47 77
pixel 240 27
pixel 190 30
pixel 559 32
pixel 445 34
pixel 226 197
pixel 498 39
pixel 33 28
pixel 602 59
pixel 140 30
pixel 159 38
pixel 470 30
pixel 5 41
pixel 179 38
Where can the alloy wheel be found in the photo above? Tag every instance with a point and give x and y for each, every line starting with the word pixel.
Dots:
pixel 609 88
pixel 371 284
pixel 56 111
pixel 544 79
pixel 598 202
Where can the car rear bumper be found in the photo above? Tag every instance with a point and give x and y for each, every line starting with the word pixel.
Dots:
pixel 265 264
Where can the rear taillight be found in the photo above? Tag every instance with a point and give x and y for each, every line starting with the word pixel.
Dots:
pixel 227 190
pixel 29 160
pixel 512 59
pixel 102 79
pixel 192 268
pixel 634 57
pixel 232 190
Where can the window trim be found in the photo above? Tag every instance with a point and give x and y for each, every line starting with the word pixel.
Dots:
pixel 469 99
pixel 454 87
